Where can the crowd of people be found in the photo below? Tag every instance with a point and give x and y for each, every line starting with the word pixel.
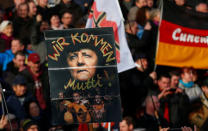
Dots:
pixel 159 97
pixel 153 98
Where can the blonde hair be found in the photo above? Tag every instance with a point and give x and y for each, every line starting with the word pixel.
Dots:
pixel 4 24
pixel 154 13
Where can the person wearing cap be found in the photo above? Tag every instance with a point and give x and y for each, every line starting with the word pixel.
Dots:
pixel 20 95
pixel 30 125
pixel 199 116
pixel 37 78
pixel 6 35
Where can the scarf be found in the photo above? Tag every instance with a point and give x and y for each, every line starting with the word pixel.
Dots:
pixel 187 85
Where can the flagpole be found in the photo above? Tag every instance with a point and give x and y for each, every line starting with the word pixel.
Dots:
pixel 4 104
pixel 91 127
pixel 158 32
pixel 109 126
pixel 156 114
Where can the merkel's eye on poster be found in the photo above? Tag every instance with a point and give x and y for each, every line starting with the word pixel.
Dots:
pixel 83 76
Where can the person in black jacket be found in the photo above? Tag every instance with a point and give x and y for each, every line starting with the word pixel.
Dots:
pixel 23 24
pixel 174 103
pixel 14 67
pixel 70 5
pixel 133 85
pixel 38 83
pixel 151 120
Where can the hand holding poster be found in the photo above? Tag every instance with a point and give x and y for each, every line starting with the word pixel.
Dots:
pixel 83 76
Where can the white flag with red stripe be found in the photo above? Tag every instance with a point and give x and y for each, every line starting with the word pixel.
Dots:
pixel 107 13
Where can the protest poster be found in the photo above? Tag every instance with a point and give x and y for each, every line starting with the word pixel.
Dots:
pixel 83 78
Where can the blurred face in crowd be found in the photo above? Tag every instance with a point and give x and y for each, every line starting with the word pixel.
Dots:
pixel 202 7
pixel 133 29
pixel 124 126
pixel 157 17
pixel 32 9
pixel 19 61
pixel 66 19
pixel 141 3
pixel 180 2
pixel 8 30
pixel 44 26
pixel 16 46
pixel 17 2
pixel 187 75
pixel 55 21
pixel 66 1
pixel 84 62
pixel 150 3
pixel 34 109
pixel 150 105
pixel 42 3
pixel 33 128
pixel 34 67
pixel 19 90
pixel 22 11
pixel 164 82
pixel 174 81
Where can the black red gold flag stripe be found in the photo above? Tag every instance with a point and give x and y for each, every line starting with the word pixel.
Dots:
pixel 183 38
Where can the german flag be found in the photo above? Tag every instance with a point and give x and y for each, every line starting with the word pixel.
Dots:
pixel 183 37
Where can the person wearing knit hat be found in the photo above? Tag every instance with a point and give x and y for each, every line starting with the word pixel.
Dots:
pixel 38 79
pixel 19 80
pixel 30 125
pixel 6 34
pixel 18 97
pixel 4 24
pixel 34 57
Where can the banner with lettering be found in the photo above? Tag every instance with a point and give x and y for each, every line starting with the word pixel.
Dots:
pixel 83 76
pixel 107 13
pixel 183 37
